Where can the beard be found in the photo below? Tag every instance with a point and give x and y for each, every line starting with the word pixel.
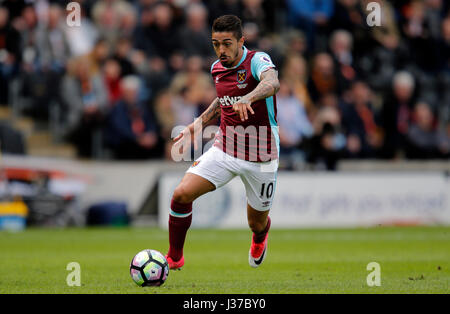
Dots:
pixel 229 62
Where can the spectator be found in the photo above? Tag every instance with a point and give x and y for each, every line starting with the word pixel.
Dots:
pixel 424 140
pixel 123 55
pixel 310 16
pixel 323 77
pixel 328 143
pixel 112 73
pixel 46 52
pixel 131 129
pixel 418 36
pixel 295 74
pixel 251 35
pixel 10 56
pixel 161 33
pixel 84 104
pixel 294 42
pixel 97 56
pixel 444 46
pixel 164 113
pixel 253 12
pixel 350 15
pixel 185 106
pixel 193 77
pixel 341 43
pixel 396 113
pixel 52 41
pixel 112 17
pixel 294 127
pixel 195 37
pixel 359 119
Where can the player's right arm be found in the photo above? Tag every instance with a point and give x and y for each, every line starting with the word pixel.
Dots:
pixel 210 114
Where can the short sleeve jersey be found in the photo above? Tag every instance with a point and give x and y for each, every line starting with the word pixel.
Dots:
pixel 255 139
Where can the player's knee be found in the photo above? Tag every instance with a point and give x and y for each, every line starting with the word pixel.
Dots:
pixel 181 195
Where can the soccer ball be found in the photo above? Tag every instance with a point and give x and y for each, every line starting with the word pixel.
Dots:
pixel 149 268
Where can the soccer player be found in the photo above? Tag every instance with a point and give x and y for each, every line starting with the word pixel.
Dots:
pixel 246 145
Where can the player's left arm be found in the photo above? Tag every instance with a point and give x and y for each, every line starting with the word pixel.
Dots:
pixel 268 86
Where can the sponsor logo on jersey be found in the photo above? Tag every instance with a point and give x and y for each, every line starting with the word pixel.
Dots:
pixel 195 163
pixel 229 100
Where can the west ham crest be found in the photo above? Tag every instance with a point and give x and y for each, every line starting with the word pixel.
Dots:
pixel 241 76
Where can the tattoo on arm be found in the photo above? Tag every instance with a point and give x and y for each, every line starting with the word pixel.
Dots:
pixel 211 113
pixel 268 86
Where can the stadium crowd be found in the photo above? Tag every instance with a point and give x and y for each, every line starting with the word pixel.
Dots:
pixel 136 69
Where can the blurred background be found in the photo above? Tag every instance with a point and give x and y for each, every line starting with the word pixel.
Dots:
pixel 87 112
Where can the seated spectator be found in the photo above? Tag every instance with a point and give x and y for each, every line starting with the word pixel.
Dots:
pixel 111 18
pixel 424 140
pixel 328 143
pixel 294 73
pixel 84 105
pixel 359 120
pixel 111 76
pixel 396 113
pixel 97 56
pixel 323 77
pixel 294 126
pixel 10 54
pixel 52 41
pixel 253 12
pixel 192 76
pixel 123 54
pixel 131 130
pixel 160 36
pixel 341 45
pixel 444 46
pixel 185 106
pixel 195 37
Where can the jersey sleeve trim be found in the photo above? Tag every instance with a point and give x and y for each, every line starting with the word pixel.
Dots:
pixel 260 63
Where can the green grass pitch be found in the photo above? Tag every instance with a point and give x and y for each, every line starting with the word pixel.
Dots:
pixel 412 260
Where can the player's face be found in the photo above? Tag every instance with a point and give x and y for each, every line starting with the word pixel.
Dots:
pixel 228 48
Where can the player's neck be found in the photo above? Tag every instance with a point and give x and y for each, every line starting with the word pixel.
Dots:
pixel 238 58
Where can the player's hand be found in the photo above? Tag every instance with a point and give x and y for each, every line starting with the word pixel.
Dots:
pixel 242 107
pixel 186 135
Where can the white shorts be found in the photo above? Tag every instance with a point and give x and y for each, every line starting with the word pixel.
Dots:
pixel 259 178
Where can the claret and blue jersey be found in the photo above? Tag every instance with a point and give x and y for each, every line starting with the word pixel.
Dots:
pixel 255 139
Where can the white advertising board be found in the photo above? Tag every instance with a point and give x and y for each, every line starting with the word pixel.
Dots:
pixel 310 200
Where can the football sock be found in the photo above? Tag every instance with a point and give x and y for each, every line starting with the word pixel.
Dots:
pixel 180 219
pixel 259 237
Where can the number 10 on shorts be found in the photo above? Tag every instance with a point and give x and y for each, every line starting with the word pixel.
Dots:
pixel 267 192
